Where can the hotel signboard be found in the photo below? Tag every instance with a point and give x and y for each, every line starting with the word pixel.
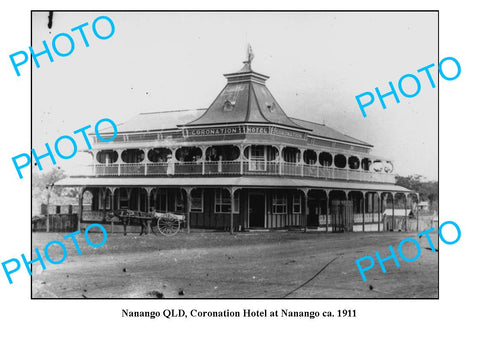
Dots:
pixel 242 131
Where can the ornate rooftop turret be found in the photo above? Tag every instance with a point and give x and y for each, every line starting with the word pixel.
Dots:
pixel 245 99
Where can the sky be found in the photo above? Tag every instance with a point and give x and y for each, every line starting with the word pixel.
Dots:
pixel 317 63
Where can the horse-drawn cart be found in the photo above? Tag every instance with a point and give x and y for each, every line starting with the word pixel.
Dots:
pixel 167 224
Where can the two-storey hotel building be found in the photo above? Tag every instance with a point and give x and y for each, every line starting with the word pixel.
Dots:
pixel 240 164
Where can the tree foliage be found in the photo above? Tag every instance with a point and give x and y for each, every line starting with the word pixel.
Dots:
pixel 428 190
pixel 42 180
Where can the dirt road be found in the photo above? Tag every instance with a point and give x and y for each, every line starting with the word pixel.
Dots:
pixel 245 265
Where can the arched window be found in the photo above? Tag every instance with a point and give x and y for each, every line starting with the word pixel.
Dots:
pixel 325 159
pixel 158 154
pixel 223 152
pixel 263 152
pixel 107 156
pixel 310 157
pixel 188 154
pixel 133 156
pixel 291 154
pixel 366 163
pixel 340 161
pixel 353 162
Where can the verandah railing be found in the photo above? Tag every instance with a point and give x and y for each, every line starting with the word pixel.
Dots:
pixel 257 168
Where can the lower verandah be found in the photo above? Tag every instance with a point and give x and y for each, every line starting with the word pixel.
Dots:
pixel 255 208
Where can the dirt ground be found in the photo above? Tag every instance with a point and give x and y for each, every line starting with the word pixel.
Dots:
pixel 244 265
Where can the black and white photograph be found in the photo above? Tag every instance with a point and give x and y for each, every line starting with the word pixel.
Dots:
pixel 212 180
pixel 248 170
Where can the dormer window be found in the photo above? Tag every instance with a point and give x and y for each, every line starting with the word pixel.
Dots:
pixel 228 105
pixel 271 106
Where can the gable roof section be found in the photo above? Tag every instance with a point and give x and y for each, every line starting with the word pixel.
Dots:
pixel 154 121
pixel 171 120
pixel 321 130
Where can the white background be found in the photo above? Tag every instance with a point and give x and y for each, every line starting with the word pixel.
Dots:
pixel 453 315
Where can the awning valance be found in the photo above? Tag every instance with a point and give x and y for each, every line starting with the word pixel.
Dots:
pixel 244 182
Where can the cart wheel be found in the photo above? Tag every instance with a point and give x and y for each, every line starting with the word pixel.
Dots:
pixel 167 227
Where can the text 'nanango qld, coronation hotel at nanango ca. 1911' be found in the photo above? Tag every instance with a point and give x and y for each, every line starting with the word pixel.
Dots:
pixel 241 164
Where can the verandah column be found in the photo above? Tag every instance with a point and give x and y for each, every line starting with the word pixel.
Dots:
pixel 111 190
pixel 80 207
pixel 302 162
pixel 145 161
pixel 103 195
pixel 112 194
pixel 405 211
pixel 280 158
pixel 373 207
pixel 344 216
pixel 242 155
pixel 203 158
pixel 120 162
pixel 379 207
pixel 232 191
pixel 328 208
pixel 149 222
pixel 188 204
pixel 304 210
pixel 231 209
pixel 393 210
pixel 418 201
pixel 363 210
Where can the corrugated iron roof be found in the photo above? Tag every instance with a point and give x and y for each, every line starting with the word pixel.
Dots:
pixel 163 120
pixel 245 99
pixel 322 130
pixel 166 120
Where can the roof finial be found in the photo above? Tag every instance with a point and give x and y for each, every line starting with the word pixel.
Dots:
pixel 250 55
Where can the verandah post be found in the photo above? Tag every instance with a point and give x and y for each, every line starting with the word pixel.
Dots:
pixel 232 202
pixel 393 210
pixel 328 208
pixel 80 207
pixel 379 208
pixel 188 203
pixel 364 193
pixel 304 210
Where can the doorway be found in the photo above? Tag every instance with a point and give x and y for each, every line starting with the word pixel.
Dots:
pixel 312 212
pixel 256 210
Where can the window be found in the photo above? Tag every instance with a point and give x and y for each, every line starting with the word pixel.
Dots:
pixel 257 158
pixel 297 203
pixel 133 156
pixel 197 200
pixel 104 198
pixel 236 202
pixel 160 200
pixel 222 201
pixel 271 107
pixel 178 201
pixel 123 200
pixel 279 204
pixel 228 105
